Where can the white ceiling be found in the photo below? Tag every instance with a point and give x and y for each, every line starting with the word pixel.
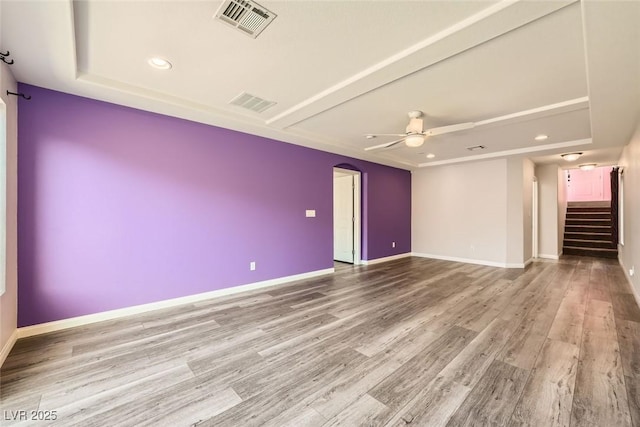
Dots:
pixel 339 70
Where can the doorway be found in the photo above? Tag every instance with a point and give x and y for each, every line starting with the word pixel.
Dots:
pixel 346 215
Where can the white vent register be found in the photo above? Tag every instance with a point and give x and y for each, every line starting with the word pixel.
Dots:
pixel 247 16
pixel 251 102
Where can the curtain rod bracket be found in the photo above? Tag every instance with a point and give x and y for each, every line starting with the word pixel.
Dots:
pixel 27 97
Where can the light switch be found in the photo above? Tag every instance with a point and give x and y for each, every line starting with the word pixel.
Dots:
pixel 311 213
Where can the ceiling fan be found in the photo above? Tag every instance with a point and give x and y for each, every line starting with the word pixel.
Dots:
pixel 415 134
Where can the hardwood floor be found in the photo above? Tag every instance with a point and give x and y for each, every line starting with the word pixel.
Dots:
pixel 410 342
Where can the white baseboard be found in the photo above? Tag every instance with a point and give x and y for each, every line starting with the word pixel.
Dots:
pixel 471 261
pixel 527 262
pixel 546 256
pixel 385 259
pixel 57 325
pixel 6 349
pixel 626 274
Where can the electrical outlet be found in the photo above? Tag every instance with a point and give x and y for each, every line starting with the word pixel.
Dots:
pixel 393 244
pixel 252 265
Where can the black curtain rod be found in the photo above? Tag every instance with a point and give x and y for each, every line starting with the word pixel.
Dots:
pixel 27 97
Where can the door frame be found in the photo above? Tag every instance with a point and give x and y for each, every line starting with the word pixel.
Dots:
pixel 534 218
pixel 357 212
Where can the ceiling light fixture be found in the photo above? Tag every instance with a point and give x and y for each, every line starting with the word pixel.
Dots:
pixel 430 156
pixel 369 136
pixel 414 140
pixel 570 157
pixel 159 63
pixel 587 166
pixel 541 137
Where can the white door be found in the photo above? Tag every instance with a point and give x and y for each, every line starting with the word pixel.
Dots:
pixel 343 238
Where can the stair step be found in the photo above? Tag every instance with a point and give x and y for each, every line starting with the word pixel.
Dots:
pixel 586 229
pixel 588 244
pixel 587 236
pixel 585 215
pixel 587 222
pixel 599 203
pixel 588 209
pixel 595 252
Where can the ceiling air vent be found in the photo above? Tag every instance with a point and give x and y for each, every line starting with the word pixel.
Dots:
pixel 251 102
pixel 247 16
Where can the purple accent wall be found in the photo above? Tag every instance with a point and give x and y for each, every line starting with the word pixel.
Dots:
pixel 119 207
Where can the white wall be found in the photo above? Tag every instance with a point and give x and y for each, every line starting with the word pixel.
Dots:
pixel 520 174
pixel 528 174
pixel 515 238
pixel 629 253
pixel 460 211
pixel 8 301
pixel 561 208
pixel 548 212
pixel 552 209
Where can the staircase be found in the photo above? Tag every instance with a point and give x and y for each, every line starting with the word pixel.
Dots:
pixel 587 230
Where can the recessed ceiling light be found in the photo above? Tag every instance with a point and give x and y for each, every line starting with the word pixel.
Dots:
pixel 570 157
pixel 430 156
pixel 159 63
pixel 541 137
pixel 587 166
pixel 369 136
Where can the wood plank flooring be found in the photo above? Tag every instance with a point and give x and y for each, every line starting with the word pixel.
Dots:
pixel 412 342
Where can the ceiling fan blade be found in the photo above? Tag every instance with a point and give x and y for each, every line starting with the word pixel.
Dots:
pixel 448 129
pixel 385 134
pixel 385 145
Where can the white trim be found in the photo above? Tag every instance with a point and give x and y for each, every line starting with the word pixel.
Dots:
pixel 472 261
pixel 514 265
pixel 527 262
pixel 8 346
pixel 504 153
pixel 534 219
pixel 57 325
pixel 357 219
pixel 547 256
pixel 357 209
pixel 385 259
pixel 626 274
pixel 581 103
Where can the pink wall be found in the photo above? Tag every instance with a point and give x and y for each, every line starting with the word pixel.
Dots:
pixel 592 185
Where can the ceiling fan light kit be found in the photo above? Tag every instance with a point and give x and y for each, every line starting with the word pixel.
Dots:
pixel 414 140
